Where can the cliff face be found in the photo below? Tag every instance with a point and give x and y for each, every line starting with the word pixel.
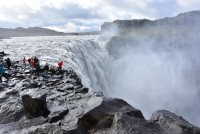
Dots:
pixel 178 30
pixel 188 18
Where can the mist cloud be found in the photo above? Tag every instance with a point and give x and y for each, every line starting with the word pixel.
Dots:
pixel 157 69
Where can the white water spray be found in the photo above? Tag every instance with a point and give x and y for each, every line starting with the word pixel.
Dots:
pixel 157 70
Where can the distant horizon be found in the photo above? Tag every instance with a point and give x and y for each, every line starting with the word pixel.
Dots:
pixel 49 29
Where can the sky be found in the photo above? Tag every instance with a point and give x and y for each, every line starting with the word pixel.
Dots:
pixel 86 15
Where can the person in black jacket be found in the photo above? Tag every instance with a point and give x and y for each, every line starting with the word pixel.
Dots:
pixel 36 60
pixel 37 67
pixel 8 63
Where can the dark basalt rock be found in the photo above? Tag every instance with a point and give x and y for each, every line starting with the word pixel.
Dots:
pixel 12 92
pixel 173 124
pixel 1 87
pixel 61 90
pixel 31 85
pixel 124 123
pixel 82 90
pixel 105 122
pixel 59 115
pixel 35 107
pixel 102 116
pixel 2 54
pixel 70 88
pixel 20 76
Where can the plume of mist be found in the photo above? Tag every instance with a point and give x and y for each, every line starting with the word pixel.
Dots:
pixel 157 68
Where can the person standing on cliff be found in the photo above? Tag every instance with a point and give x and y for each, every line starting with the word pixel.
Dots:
pixel 37 67
pixel 60 65
pixel 24 61
pixel 36 60
pixel 8 63
pixel 46 70
pixel 29 61
pixel 2 73
pixel 32 62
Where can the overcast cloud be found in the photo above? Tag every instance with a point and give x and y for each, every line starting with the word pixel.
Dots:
pixel 86 15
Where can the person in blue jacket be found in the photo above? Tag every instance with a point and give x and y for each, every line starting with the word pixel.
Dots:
pixel 2 73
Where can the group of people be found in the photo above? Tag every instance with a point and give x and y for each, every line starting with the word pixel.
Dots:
pixel 34 63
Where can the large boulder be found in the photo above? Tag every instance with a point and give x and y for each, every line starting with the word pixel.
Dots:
pixel 114 116
pixel 173 124
pixel 126 124
pixel 34 102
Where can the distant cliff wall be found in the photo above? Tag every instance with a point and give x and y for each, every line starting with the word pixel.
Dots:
pixel 188 18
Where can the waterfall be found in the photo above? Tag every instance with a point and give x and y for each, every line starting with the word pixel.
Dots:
pixel 151 71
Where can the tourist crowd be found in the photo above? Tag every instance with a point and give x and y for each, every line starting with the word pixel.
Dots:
pixel 34 63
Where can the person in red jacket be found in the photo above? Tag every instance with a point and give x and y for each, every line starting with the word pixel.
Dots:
pixel 60 65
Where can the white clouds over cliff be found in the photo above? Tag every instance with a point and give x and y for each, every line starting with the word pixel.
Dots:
pixel 86 15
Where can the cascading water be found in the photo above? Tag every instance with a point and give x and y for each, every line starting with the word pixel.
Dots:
pixel 79 53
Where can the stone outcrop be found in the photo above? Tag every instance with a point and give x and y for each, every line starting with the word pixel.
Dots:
pixel 173 124
pixel 114 116
pixel 58 115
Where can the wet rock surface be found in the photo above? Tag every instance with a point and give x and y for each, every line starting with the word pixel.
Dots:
pixel 60 104
pixel 173 124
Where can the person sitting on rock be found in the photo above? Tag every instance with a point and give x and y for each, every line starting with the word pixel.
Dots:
pixel 52 70
pixel 2 73
pixel 46 69
pixel 8 63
